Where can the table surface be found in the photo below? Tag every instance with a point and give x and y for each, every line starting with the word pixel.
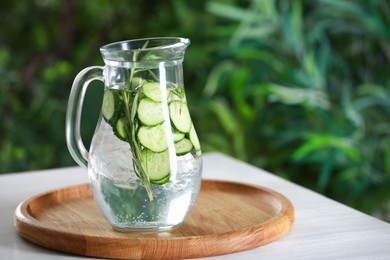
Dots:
pixel 323 228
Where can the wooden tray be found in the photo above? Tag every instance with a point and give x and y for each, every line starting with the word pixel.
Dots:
pixel 228 217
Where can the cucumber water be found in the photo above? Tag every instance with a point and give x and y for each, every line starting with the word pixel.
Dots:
pixel 144 160
pixel 153 143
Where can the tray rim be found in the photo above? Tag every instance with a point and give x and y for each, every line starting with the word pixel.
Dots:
pixel 286 215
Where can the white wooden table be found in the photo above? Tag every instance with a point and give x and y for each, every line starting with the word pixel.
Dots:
pixel 323 228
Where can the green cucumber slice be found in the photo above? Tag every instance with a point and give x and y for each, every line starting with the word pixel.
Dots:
pixel 111 106
pixel 150 113
pixel 177 136
pixel 120 128
pixel 136 82
pixel 180 116
pixel 157 166
pixel 177 94
pixel 194 138
pixel 153 91
pixel 153 138
pixel 162 181
pixel 183 147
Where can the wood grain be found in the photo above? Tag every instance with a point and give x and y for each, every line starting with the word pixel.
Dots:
pixel 227 217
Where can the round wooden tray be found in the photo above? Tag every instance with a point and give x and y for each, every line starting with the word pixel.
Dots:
pixel 228 217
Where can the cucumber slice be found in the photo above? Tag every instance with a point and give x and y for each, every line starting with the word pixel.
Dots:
pixel 162 181
pixel 183 147
pixel 180 116
pixel 120 128
pixel 177 136
pixel 177 94
pixel 152 90
pixel 111 106
pixel 149 112
pixel 136 82
pixel 153 138
pixel 194 138
pixel 157 166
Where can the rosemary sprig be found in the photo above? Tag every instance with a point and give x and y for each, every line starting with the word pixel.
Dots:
pixel 130 104
pixel 130 111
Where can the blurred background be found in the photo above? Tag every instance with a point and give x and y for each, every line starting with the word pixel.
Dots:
pixel 299 88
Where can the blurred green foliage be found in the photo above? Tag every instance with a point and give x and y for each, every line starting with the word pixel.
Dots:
pixel 299 88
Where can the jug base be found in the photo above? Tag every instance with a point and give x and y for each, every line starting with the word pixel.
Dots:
pixel 145 230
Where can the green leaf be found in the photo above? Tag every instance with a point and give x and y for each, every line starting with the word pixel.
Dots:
pixel 349 7
pixel 266 7
pixel 326 171
pixel 312 71
pixel 298 96
pixel 220 108
pixel 296 26
pixel 212 81
pixel 227 11
pixel 387 158
pixel 230 125
pixel 319 143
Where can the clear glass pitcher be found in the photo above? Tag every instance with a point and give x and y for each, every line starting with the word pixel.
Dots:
pixel 144 163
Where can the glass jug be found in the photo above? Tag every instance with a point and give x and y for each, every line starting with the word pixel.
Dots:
pixel 144 162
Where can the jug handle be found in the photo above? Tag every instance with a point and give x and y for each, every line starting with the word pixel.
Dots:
pixel 73 113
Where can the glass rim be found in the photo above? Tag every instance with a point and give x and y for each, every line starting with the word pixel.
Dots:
pixel 120 46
